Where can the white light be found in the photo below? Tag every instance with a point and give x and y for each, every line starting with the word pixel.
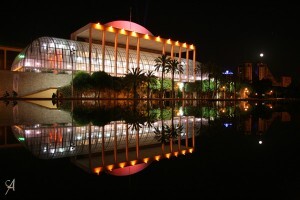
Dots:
pixel 260 142
pixel 261 55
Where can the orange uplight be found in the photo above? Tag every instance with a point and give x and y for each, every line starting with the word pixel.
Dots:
pixel 146 36
pixel 110 167
pixel 133 162
pixel 191 150
pixel 122 31
pixel 169 41
pixel 97 170
pixel 184 45
pixel 183 152
pixel 168 155
pixel 98 26
pixel 133 34
pixel 177 43
pixel 191 46
pixel 146 160
pixel 157 158
pixel 122 165
pixel 176 153
pixel 111 29
pixel 157 39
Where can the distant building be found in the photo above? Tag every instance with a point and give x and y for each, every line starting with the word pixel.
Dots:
pixel 247 72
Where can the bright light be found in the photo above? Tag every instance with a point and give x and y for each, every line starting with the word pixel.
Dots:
pixel 261 55
pixel 260 142
pixel 180 85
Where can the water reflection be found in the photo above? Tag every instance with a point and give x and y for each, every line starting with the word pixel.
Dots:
pixel 124 137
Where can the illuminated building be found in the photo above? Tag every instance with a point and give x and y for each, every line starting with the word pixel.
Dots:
pixel 115 48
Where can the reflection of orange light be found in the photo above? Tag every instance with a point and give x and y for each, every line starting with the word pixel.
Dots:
pixel 176 153
pixel 133 162
pixel 168 155
pixel 146 160
pixel 97 170
pixel 157 158
pixel 110 167
pixel 191 150
pixel 122 164
pixel 183 152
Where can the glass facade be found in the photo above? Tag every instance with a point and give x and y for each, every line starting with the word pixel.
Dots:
pixel 48 54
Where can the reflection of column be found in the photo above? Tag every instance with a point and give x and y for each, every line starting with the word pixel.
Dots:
pixel 115 141
pixel 90 50
pixel 187 132
pixel 103 146
pixel 137 138
pixel 90 147
pixel 179 135
pixel 127 53
pixel 193 132
pixel 126 150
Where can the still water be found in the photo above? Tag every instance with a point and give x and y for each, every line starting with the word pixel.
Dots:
pixel 125 149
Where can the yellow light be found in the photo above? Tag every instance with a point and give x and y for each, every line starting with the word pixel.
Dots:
pixel 191 46
pixel 133 34
pixel 169 41
pixel 176 153
pixel 110 167
pixel 168 155
pixel 122 165
pixel 158 39
pixel 133 162
pixel 177 43
pixel 184 45
pixel 146 160
pixel 146 36
pixel 97 170
pixel 183 152
pixel 98 26
pixel 191 150
pixel 111 29
pixel 122 31
pixel 157 158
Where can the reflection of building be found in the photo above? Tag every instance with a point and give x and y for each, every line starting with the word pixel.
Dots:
pixel 108 147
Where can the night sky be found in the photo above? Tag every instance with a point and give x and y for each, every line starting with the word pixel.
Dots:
pixel 227 34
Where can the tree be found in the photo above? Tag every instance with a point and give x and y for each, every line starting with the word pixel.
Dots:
pixel 174 67
pixel 150 79
pixel 101 80
pixel 162 63
pixel 82 82
pixel 133 79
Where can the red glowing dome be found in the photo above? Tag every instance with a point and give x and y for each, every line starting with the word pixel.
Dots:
pixel 130 26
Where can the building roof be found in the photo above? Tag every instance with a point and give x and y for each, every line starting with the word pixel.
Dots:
pixel 129 26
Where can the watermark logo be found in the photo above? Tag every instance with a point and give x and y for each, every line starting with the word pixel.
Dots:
pixel 10 185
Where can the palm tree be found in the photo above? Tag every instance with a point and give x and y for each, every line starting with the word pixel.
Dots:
pixel 134 78
pixel 150 79
pixel 174 67
pixel 162 63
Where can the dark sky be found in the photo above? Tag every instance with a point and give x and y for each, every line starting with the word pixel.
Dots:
pixel 225 33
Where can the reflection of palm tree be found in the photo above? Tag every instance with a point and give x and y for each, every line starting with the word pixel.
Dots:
pixel 162 63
